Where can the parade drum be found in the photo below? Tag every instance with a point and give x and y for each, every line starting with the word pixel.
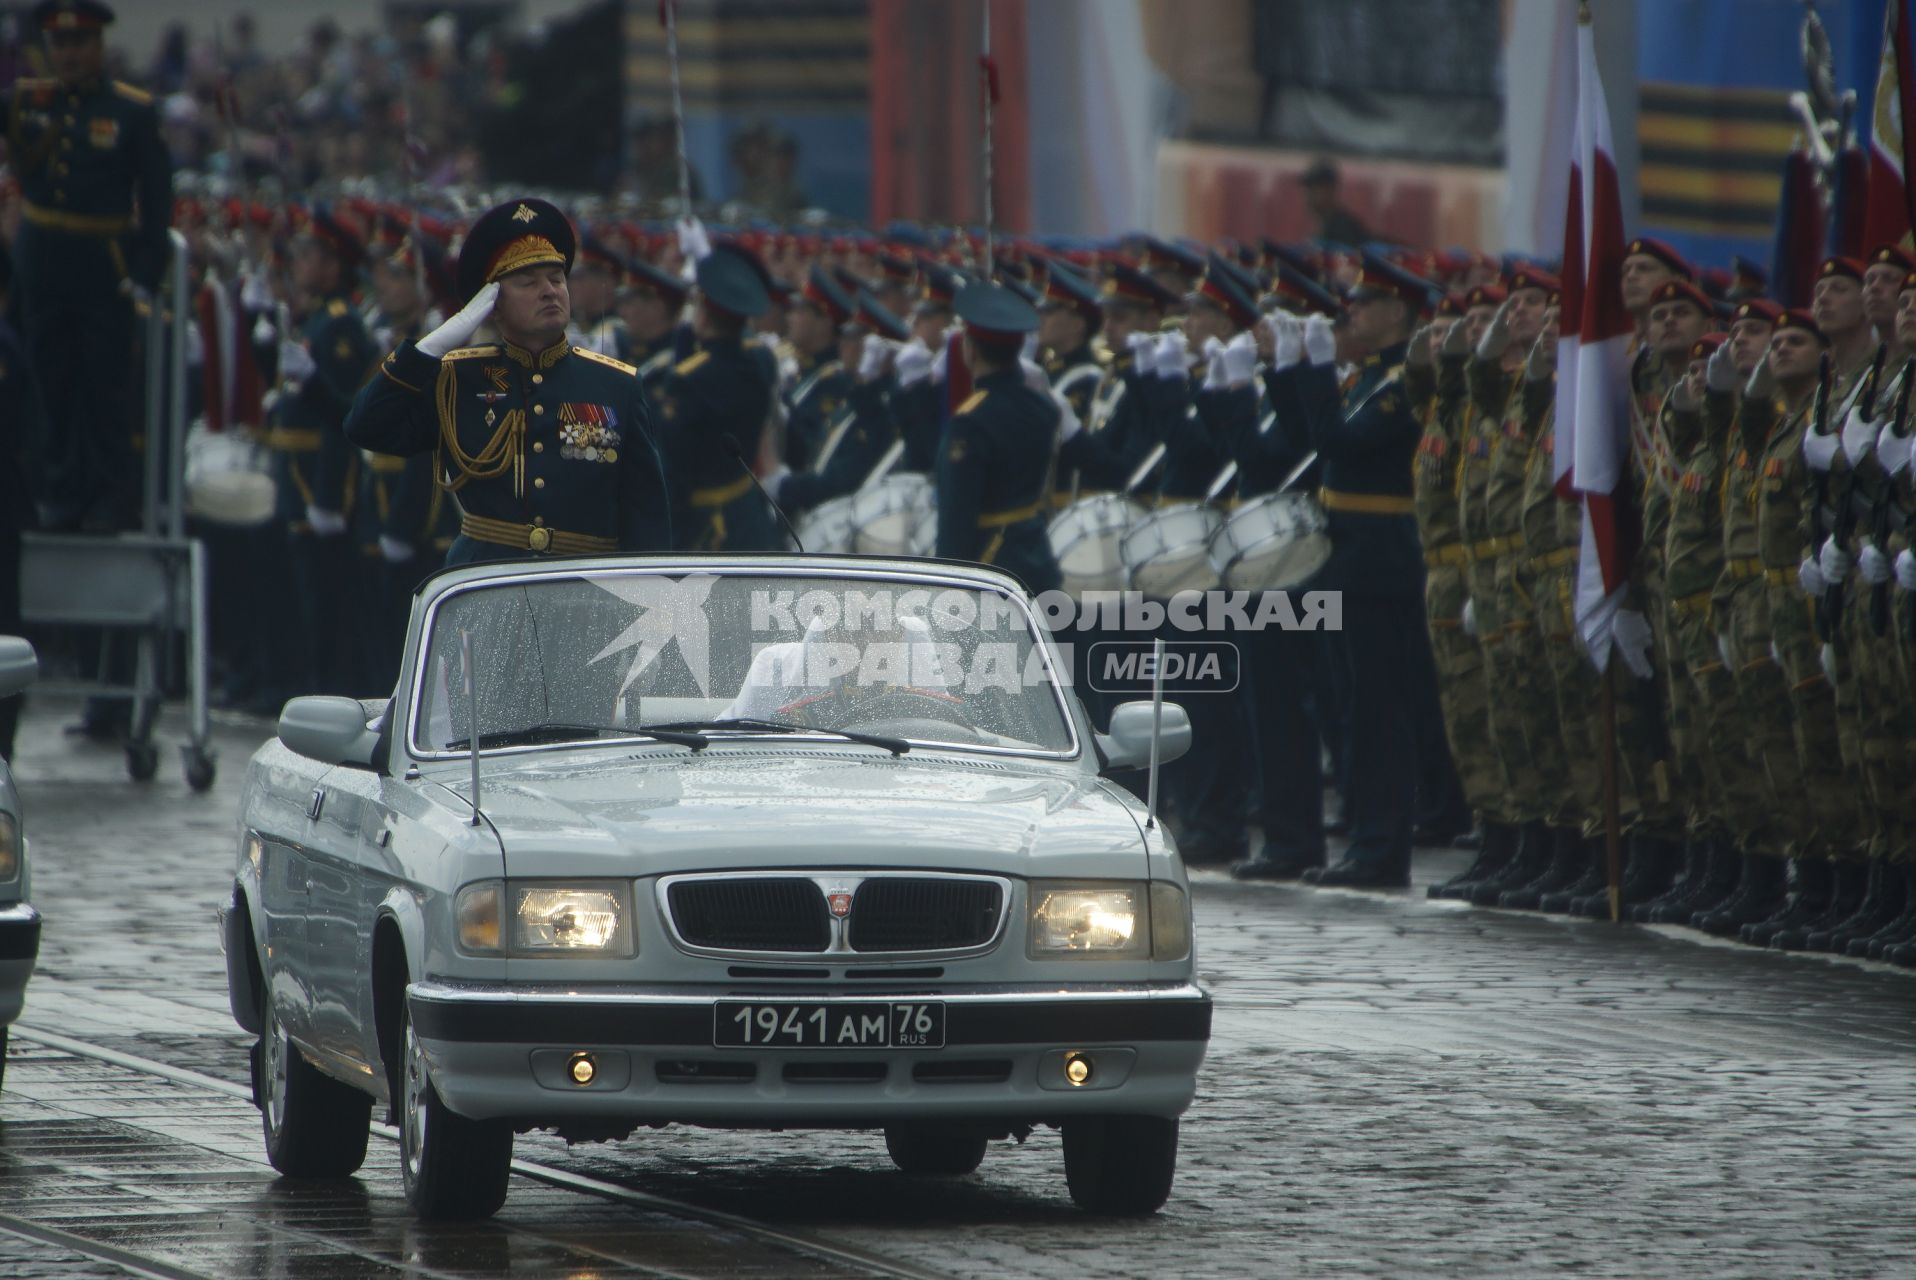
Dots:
pixel 827 527
pixel 1273 543
pixel 1085 536
pixel 1168 551
pixel 898 516
pixel 229 478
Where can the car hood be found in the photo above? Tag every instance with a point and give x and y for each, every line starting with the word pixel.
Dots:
pixel 733 807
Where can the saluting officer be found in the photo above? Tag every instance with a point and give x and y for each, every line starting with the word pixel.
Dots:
pixel 995 462
pixel 1365 441
pixel 812 323
pixel 649 306
pixel 867 426
pixel 712 411
pixel 98 193
pixel 548 449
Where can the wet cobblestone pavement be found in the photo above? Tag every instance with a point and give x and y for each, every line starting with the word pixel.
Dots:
pixel 1395 1087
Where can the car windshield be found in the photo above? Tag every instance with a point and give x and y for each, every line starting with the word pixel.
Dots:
pixel 568 658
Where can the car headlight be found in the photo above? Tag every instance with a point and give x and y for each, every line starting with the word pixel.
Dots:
pixel 9 847
pixel 1106 921
pixel 578 917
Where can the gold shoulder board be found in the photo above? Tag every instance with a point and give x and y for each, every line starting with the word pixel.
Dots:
pixel 337 308
pixel 133 93
pixel 692 362
pixel 972 401
pixel 608 361
pixel 470 353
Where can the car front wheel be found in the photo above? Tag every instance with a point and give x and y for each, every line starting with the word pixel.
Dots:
pixel 935 1147
pixel 1120 1166
pixel 455 1169
pixel 315 1126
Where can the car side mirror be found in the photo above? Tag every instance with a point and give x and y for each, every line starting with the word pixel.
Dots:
pixel 19 667
pixel 331 730
pixel 1128 745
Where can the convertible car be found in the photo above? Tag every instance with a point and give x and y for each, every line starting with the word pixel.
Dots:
pixel 744 842
pixel 19 922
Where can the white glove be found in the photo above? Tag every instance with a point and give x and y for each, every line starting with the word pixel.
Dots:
pixel 873 358
pixel 195 345
pixel 1762 381
pixel 1289 345
pixel 1859 435
pixel 1723 650
pixel 939 360
pixel 1069 424
pixel 1720 373
pixel 1873 564
pixel 1496 339
pixel 1320 344
pixel 1818 450
pixel 1834 561
pixel 1809 577
pixel 1213 364
pixel 395 550
pixel 1144 351
pixel 1469 621
pixel 1030 349
pixel 453 334
pixel 1035 376
pixel 1893 451
pixel 295 363
pixel 913 363
pixel 1173 355
pixel 1906 569
pixel 694 244
pixel 1826 658
pixel 1631 633
pixel 1239 361
pixel 256 294
pixel 327 524
pixel 264 334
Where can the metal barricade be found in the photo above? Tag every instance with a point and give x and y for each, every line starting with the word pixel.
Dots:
pixel 150 584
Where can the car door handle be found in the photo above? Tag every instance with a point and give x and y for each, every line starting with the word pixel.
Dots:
pixel 318 802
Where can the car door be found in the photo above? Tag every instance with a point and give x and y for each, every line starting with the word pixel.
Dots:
pixel 337 956
pixel 280 814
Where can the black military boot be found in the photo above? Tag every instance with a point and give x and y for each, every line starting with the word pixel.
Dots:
pixel 1595 879
pixel 1708 903
pixel 1848 881
pixel 1692 859
pixel 1759 893
pixel 1499 847
pixel 1809 898
pixel 1899 930
pixel 1715 882
pixel 1526 864
pixel 1565 865
pixel 1882 902
pixel 1650 865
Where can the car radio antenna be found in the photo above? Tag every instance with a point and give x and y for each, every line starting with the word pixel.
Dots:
pixel 1157 726
pixel 472 716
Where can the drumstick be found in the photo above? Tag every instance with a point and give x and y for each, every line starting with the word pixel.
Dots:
pixel 1145 468
pixel 1298 471
pixel 885 464
pixel 1221 481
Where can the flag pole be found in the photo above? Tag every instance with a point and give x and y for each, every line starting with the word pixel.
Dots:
pixel 668 14
pixel 1612 835
pixel 989 91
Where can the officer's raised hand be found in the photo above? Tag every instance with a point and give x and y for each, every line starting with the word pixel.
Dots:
pixel 1496 339
pixel 874 358
pixel 456 331
pixel 1762 383
pixel 296 363
pixel 1719 374
pixel 1541 363
pixel 1320 343
pixel 1417 354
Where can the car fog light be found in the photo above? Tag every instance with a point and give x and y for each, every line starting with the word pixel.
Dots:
pixel 582 1068
pixel 1077 1068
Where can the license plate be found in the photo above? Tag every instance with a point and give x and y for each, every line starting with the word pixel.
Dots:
pixel 783 1024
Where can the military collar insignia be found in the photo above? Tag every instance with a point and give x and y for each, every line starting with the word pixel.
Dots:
pixel 523 214
pixel 545 359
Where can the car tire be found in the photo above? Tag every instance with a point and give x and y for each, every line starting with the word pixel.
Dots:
pixel 315 1126
pixel 942 1148
pixel 455 1169
pixel 1120 1166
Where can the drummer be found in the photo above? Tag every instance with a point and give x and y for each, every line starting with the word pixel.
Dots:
pixel 865 427
pixel 1070 313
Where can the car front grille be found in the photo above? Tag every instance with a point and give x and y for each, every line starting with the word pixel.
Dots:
pixel 902 914
pixel 891 915
pixel 751 914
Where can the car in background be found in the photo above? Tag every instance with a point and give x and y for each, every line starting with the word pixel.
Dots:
pixel 19 922
pixel 753 842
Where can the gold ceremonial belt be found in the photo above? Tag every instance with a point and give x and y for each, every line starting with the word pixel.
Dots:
pixel 79 224
pixel 1004 519
pixel 1491 548
pixel 1455 553
pixel 1694 603
pixel 1366 504
pixel 292 439
pixel 533 537
pixel 1750 567
pixel 1780 577
pixel 720 495
pixel 1553 560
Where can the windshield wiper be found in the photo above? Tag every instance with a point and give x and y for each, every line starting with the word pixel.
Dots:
pixel 897 746
pixel 536 734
